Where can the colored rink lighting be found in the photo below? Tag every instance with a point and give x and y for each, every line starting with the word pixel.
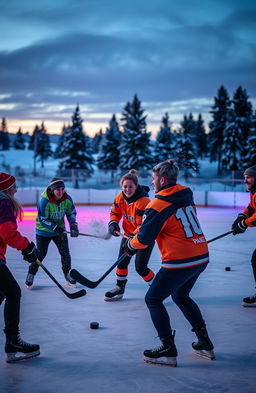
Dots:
pixel 29 214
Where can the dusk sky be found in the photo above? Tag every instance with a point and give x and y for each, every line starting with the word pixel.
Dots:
pixel 55 54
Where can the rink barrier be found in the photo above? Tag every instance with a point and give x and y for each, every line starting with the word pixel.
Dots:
pixel 93 197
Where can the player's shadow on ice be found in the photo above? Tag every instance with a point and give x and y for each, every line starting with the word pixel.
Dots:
pixel 220 300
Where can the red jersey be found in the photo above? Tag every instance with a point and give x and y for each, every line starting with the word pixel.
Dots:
pixel 9 236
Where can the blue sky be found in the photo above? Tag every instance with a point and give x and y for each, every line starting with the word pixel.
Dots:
pixel 99 53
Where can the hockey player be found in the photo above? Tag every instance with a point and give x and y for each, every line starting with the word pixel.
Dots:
pixel 248 219
pixel 15 348
pixel 171 219
pixel 53 206
pixel 129 205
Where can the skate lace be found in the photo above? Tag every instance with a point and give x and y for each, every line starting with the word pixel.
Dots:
pixel 22 342
pixel 116 289
pixel 157 349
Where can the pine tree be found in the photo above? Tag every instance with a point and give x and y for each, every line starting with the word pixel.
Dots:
pixel 186 149
pixel 164 145
pixel 200 137
pixel 109 156
pixel 135 151
pixel 59 153
pixel 77 149
pixel 4 136
pixel 250 158
pixel 43 147
pixel 19 143
pixel 232 144
pixel 97 141
pixel 217 125
pixel 243 117
pixel 34 138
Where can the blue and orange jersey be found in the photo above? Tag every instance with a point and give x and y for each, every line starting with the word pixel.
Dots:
pixel 131 210
pixel 250 211
pixel 171 219
pixel 9 235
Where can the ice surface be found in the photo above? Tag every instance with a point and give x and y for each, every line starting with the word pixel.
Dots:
pixel 75 358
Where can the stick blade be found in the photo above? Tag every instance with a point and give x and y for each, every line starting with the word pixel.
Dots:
pixel 81 279
pixel 76 295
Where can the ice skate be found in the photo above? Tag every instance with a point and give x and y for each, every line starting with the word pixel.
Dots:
pixel 117 292
pixel 165 354
pixel 71 283
pixel 16 349
pixel 250 301
pixel 203 347
pixel 29 280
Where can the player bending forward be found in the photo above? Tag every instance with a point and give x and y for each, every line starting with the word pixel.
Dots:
pixel 171 219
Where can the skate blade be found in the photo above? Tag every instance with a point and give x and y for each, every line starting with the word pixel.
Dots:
pixel 163 361
pixel 113 299
pixel 17 356
pixel 206 354
pixel 249 305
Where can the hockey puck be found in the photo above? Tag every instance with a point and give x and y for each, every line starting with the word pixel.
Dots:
pixel 94 325
pixel 227 268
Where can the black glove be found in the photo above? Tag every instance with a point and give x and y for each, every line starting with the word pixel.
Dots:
pixel 58 230
pixel 74 231
pixel 31 253
pixel 128 249
pixel 113 227
pixel 240 227
pixel 240 217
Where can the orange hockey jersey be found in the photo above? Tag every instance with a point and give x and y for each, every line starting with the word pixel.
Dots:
pixel 171 219
pixel 130 209
pixel 250 211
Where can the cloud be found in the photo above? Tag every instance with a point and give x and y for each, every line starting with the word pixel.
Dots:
pixel 98 54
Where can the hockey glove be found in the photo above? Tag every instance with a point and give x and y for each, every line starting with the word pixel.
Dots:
pixel 58 230
pixel 128 249
pixel 113 227
pixel 240 227
pixel 240 217
pixel 31 253
pixel 74 231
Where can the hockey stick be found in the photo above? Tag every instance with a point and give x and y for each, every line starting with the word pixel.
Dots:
pixel 122 234
pixel 73 295
pixel 93 284
pixel 105 237
pixel 220 236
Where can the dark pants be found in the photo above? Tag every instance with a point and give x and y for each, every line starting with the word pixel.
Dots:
pixel 42 243
pixel 176 283
pixel 254 264
pixel 11 290
pixel 141 260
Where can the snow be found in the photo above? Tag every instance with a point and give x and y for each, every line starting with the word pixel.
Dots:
pixel 75 358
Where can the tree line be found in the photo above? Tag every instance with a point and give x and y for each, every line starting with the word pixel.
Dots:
pixel 230 140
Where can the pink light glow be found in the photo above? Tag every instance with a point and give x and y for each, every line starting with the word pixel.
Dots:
pixel 86 217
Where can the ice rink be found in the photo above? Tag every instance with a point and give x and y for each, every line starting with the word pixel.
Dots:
pixel 75 358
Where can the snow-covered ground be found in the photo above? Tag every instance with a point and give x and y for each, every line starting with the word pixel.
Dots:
pixel 206 181
pixel 75 358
